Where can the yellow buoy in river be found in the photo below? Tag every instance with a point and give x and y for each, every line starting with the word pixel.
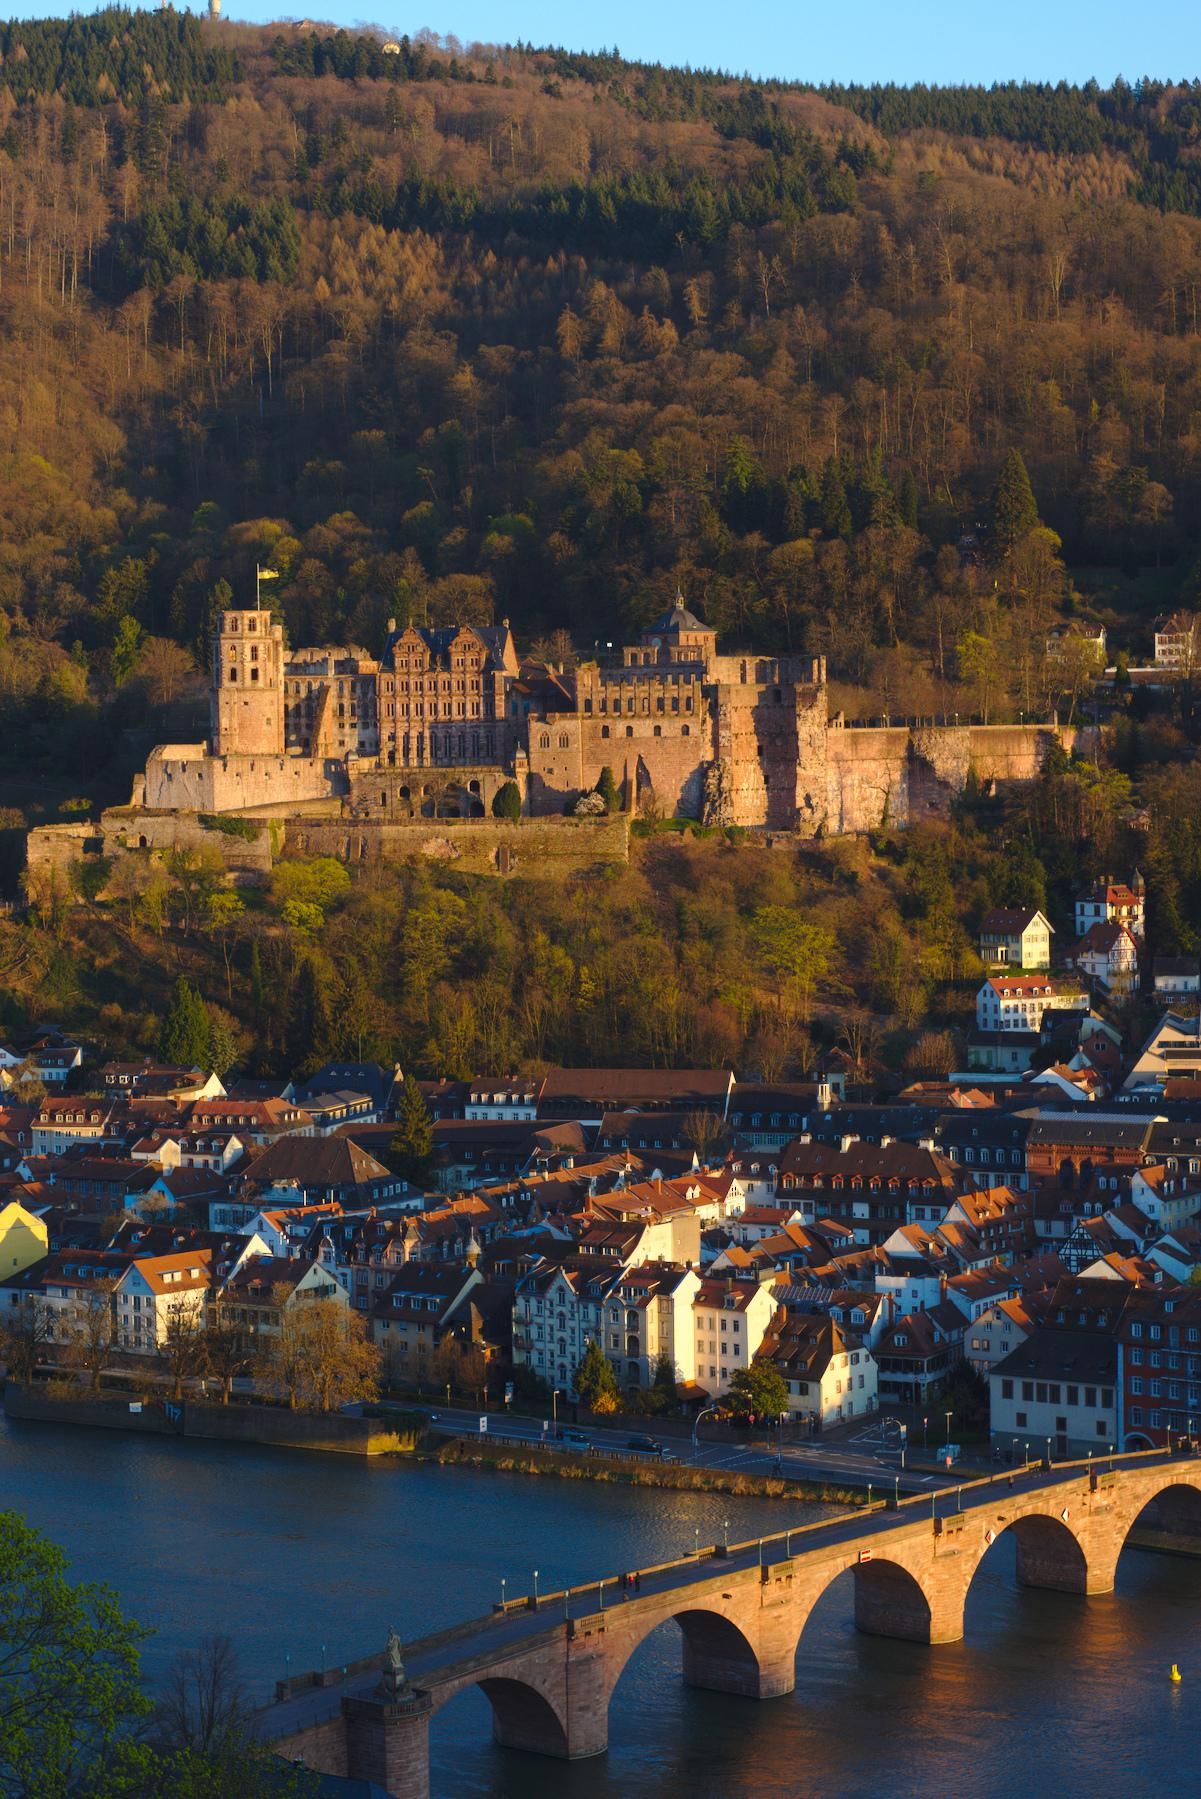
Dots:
pixel 1175 1674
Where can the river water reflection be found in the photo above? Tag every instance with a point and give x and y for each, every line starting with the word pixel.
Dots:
pixel 299 1555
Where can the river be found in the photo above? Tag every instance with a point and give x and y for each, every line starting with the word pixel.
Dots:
pixel 289 1553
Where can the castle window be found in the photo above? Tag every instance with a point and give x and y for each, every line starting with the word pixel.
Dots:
pixel 686 731
pixel 252 624
pixel 233 671
pixel 604 730
pixel 587 708
pixel 544 741
pixel 254 652
pixel 564 741
pixel 658 730
pixel 629 730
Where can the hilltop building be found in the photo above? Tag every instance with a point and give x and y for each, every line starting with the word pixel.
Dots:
pixel 443 718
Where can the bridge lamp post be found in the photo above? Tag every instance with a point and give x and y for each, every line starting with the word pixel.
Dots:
pixel 554 1407
pixel 696 1542
pixel 725 1533
pixel 897 1494
pixel 1048 1452
pixel 950 1415
pixel 925 1433
pixel 535 1589
pixel 503 1584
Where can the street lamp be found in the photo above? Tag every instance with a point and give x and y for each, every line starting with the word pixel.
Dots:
pixel 535 1589
pixel 503 1584
pixel 696 1542
pixel 950 1415
pixel 1048 1452
pixel 725 1533
pixel 704 1411
pixel 925 1433
pixel 554 1407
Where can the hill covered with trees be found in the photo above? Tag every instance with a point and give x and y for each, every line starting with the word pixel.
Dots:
pixel 901 376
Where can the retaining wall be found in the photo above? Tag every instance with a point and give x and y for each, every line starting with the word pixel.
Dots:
pixel 332 1433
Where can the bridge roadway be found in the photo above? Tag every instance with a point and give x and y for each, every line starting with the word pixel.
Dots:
pixel 549 1666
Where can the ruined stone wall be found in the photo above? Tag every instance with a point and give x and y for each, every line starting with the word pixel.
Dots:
pixel 398 794
pixel 769 756
pixel 127 830
pixel 664 754
pixel 490 846
pixel 899 775
pixel 184 778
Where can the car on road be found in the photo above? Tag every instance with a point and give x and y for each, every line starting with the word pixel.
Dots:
pixel 647 1445
pixel 575 1438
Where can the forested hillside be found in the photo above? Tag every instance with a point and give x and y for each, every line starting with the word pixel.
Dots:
pixel 451 333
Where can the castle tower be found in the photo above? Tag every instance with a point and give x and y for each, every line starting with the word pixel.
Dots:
pixel 248 685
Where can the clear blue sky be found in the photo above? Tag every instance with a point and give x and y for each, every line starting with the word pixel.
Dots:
pixel 873 40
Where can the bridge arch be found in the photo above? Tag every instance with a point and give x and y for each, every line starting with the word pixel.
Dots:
pixel 888 1600
pixel 524 1718
pixel 527 1711
pixel 1166 1514
pixel 718 1654
pixel 1049 1553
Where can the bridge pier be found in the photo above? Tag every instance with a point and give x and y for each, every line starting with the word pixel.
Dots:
pixel 388 1742
pixel 753 1653
pixel 890 1602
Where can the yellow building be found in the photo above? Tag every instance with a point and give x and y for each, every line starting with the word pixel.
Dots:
pixel 23 1239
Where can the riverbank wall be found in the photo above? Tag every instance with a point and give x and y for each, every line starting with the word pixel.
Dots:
pixel 473 1452
pixel 331 1433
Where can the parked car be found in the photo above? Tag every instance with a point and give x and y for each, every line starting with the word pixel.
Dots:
pixel 648 1445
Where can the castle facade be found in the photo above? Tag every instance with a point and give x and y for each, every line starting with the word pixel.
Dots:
pixel 444 718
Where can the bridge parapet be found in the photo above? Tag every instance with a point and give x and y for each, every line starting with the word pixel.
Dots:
pixel 548 1664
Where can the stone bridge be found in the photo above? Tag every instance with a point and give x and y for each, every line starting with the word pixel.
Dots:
pixel 549 1663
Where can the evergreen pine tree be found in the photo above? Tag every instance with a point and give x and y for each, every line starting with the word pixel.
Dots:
pixel 412 1143
pixel 907 499
pixel 835 508
pixel 596 1379
pixel 1014 507
pixel 507 802
pixel 607 788
pixel 184 1039
pixel 310 1029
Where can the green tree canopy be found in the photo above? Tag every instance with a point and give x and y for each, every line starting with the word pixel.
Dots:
pixel 1014 507
pixel 758 1392
pixel 412 1142
pixel 507 802
pixel 596 1379
pixel 184 1038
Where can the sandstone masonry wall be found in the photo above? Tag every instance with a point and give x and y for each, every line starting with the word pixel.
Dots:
pixel 477 846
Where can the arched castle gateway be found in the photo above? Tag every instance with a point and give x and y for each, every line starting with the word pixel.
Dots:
pixel 443 718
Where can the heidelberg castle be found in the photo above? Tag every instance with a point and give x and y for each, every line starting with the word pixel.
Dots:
pixel 444 718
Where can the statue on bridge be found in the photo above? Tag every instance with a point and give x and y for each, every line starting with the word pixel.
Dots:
pixel 394 1682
